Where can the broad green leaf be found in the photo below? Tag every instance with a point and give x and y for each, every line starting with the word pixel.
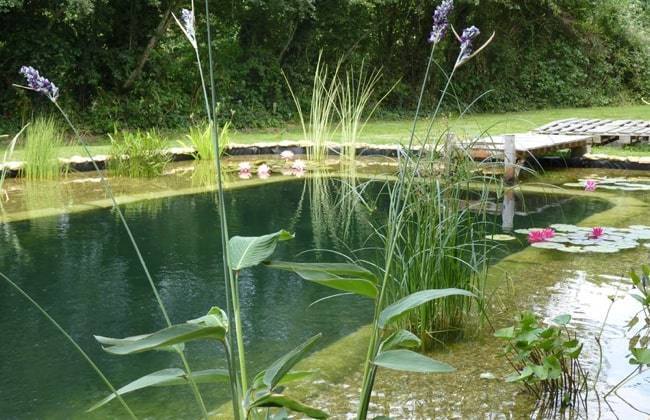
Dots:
pixel 401 339
pixel 108 341
pixel 399 308
pixel 554 367
pixel 410 361
pixel 339 276
pixel 249 251
pixel 279 400
pixel 525 373
pixel 562 319
pixel 283 365
pixel 166 377
pixel 215 317
pixel 508 332
pixel 641 356
pixel 296 375
pixel 176 334
pixel 540 372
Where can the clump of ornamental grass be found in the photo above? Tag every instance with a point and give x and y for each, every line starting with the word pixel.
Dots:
pixel 138 154
pixel 354 106
pixel 41 153
pixel 200 137
pixel 443 245
pixel 318 126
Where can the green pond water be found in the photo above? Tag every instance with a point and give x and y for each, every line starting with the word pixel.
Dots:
pixel 82 269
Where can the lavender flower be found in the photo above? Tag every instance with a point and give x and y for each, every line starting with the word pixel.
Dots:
pixel 440 21
pixel 469 34
pixel 39 83
pixel 188 23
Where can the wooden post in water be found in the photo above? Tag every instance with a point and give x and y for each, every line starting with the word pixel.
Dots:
pixel 509 159
pixel 508 210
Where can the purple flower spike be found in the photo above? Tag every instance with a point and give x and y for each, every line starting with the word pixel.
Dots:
pixel 469 34
pixel 188 23
pixel 39 83
pixel 440 21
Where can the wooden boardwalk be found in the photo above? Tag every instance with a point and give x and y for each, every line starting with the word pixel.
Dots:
pixel 604 131
pixel 528 145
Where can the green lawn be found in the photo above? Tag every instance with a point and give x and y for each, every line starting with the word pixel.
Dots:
pixel 391 132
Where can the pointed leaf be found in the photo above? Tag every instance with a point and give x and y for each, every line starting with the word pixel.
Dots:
pixel 410 361
pixel 176 334
pixel 165 377
pixel 279 400
pixel 283 365
pixel 401 339
pixel 641 356
pixel 109 341
pixel 249 251
pixel 562 319
pixel 339 276
pixel 399 308
pixel 508 332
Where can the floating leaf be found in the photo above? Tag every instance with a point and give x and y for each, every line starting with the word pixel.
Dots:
pixel 562 319
pixel 249 251
pixel 410 361
pixel 339 276
pixel 501 237
pixel 399 308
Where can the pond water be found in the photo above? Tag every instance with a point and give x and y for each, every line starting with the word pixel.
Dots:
pixel 82 269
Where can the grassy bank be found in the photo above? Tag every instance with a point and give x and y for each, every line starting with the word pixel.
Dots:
pixel 391 132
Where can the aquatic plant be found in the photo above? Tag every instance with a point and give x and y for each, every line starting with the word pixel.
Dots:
pixel 138 154
pixel 540 235
pixel 44 137
pixel 352 100
pixel 576 239
pixel 607 183
pixel 264 171
pixel 200 138
pixel 590 185
pixel 638 328
pixel 546 361
pixel 287 155
pixel 318 129
pixel 244 167
pixel 5 158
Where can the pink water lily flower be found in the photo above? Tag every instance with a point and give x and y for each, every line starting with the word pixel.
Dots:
pixel 264 171
pixel 299 165
pixel 596 232
pixel 590 185
pixel 287 155
pixel 540 235
pixel 244 167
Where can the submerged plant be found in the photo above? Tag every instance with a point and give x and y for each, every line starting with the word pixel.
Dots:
pixel 546 360
pixel 44 138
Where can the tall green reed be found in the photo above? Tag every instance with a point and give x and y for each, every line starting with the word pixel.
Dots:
pixel 41 153
pixel 319 128
pixel 353 104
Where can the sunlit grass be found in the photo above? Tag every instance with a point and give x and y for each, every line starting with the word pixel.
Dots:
pixel 41 152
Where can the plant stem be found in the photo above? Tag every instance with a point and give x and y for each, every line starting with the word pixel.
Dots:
pixel 232 297
pixel 73 342
pixel 109 192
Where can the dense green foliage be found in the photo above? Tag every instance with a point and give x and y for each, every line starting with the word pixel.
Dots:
pixel 546 53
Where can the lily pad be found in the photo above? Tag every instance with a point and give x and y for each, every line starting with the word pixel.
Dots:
pixel 549 245
pixel 501 237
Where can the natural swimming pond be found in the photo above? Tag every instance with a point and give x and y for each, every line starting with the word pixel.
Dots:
pixel 81 268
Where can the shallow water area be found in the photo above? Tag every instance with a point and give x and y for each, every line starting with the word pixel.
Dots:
pixel 62 243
